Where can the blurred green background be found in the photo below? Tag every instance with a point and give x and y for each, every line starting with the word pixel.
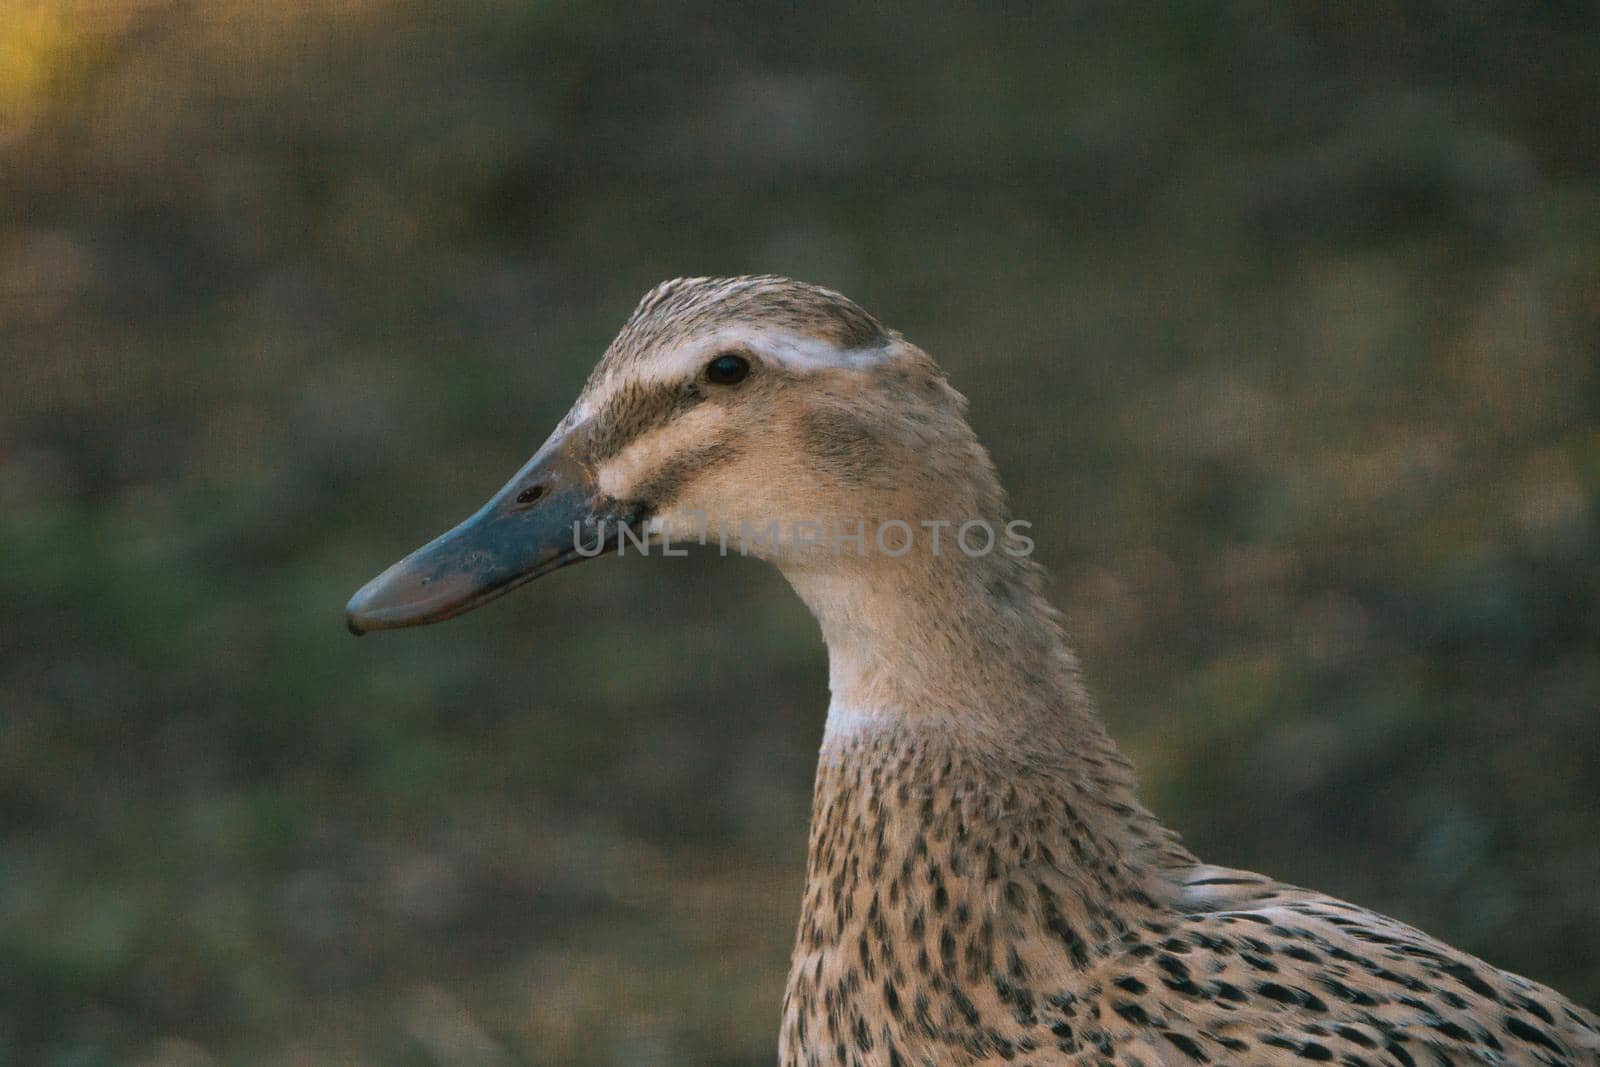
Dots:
pixel 1281 321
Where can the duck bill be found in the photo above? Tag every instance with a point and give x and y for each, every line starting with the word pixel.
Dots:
pixel 549 516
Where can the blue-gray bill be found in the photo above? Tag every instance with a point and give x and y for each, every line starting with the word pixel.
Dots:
pixel 548 516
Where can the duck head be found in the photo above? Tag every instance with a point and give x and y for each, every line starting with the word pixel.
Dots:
pixel 772 417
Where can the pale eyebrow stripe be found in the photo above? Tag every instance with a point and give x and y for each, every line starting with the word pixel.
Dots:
pixel 785 348
pixel 808 353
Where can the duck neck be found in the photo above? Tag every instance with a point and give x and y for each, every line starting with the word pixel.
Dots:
pixel 937 638
pixel 944 651
pixel 973 826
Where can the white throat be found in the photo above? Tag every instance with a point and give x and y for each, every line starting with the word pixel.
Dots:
pixel 847 722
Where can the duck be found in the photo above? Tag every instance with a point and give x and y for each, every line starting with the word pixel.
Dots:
pixel 983 884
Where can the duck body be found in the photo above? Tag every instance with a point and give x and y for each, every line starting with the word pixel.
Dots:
pixel 962 908
pixel 983 885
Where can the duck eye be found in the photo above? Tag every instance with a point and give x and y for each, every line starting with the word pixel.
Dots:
pixel 727 370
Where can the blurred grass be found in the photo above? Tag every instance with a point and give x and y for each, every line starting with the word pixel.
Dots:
pixel 1280 322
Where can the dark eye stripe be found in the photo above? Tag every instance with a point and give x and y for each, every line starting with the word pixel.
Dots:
pixel 636 410
pixel 662 486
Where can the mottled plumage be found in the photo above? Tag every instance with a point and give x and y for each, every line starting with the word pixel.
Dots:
pixel 969 908
pixel 983 885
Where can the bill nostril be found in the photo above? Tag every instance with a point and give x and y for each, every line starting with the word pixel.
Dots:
pixel 530 494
